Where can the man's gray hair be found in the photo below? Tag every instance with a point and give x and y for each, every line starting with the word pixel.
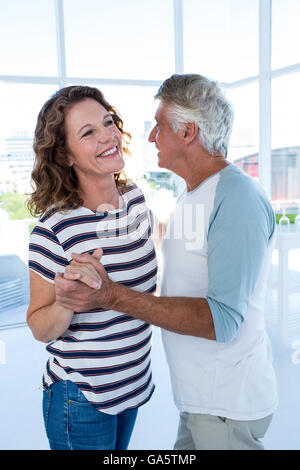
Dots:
pixel 194 98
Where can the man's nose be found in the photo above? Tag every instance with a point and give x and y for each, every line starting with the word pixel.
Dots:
pixel 152 135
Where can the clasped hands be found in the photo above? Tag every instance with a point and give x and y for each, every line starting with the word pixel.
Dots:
pixel 85 284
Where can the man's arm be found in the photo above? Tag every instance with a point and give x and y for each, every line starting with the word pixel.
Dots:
pixel 183 315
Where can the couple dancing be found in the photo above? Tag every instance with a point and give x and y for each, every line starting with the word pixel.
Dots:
pixel 93 273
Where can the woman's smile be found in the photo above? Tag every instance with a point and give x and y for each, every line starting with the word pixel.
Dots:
pixel 92 135
pixel 110 153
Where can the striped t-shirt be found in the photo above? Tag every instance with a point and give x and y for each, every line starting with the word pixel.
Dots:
pixel 105 352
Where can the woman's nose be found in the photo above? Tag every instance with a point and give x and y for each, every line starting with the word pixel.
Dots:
pixel 105 134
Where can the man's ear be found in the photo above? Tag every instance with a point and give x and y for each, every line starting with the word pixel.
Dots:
pixel 190 132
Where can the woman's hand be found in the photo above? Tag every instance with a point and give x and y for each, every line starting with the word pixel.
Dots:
pixel 84 272
pixel 80 296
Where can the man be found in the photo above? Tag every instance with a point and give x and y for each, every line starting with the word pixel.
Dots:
pixel 216 256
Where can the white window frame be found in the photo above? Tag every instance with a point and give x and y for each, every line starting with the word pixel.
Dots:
pixel 264 78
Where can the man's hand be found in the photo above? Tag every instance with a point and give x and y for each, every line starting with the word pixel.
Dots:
pixel 85 284
pixel 182 315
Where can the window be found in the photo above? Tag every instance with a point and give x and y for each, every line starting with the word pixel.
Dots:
pixel 127 48
pixel 286 140
pixel 285 33
pixel 21 103
pixel 124 39
pixel 221 38
pixel 244 140
pixel 285 105
pixel 28 38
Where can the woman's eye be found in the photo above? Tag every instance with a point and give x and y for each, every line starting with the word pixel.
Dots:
pixel 87 133
pixel 109 122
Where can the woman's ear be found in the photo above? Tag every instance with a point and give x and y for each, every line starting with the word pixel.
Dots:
pixel 70 160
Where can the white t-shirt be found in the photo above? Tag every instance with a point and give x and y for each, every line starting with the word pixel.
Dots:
pixel 218 246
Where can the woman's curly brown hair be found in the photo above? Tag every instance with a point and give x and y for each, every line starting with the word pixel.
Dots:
pixel 55 182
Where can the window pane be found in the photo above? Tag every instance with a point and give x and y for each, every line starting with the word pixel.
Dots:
pixel 285 33
pixel 244 142
pixel 27 38
pixel 221 38
pixel 119 39
pixel 286 139
pixel 20 105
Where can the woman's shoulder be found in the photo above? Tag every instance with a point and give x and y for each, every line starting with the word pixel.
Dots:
pixel 53 215
pixel 129 186
pixel 132 190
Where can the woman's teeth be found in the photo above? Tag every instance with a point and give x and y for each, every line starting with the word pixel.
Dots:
pixel 108 152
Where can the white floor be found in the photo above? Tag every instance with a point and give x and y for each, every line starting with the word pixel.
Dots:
pixel 21 425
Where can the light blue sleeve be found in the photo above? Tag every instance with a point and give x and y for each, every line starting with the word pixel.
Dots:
pixel 241 225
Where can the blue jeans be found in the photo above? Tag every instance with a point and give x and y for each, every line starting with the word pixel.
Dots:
pixel 71 422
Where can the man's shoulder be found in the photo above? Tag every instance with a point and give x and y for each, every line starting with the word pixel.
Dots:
pixel 233 174
pixel 241 197
pixel 235 183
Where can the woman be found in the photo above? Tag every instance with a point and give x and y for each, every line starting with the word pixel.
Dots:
pixel 98 373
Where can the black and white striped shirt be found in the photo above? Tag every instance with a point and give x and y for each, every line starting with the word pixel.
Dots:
pixel 106 353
